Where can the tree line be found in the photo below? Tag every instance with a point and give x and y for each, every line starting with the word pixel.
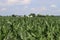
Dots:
pixel 33 15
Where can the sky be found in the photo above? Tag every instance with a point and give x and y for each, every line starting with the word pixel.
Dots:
pixel 25 7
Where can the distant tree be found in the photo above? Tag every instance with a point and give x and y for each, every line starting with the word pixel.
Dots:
pixel 25 16
pixel 32 15
pixel 52 15
pixel 38 15
pixel 47 15
pixel 13 15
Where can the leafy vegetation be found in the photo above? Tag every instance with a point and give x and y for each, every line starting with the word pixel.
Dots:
pixel 30 28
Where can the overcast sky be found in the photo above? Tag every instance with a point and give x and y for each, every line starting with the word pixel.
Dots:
pixel 25 7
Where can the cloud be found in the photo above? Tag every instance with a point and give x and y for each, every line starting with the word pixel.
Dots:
pixel 3 9
pixel 39 9
pixel 26 1
pixel 43 9
pixel 53 6
pixel 15 2
pixel 12 1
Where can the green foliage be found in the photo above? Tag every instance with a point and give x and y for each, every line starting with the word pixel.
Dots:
pixel 29 28
pixel 40 15
pixel 13 15
pixel 32 14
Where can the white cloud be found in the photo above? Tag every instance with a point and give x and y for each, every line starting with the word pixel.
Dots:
pixel 53 6
pixel 12 1
pixel 25 7
pixel 43 9
pixel 33 9
pixel 3 9
pixel 18 2
pixel 26 1
pixel 39 9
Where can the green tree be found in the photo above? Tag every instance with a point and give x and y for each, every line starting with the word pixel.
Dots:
pixel 13 15
pixel 38 15
pixel 32 14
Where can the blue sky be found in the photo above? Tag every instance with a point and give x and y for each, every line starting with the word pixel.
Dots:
pixel 25 7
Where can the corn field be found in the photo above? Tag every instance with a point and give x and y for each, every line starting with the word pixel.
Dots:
pixel 29 28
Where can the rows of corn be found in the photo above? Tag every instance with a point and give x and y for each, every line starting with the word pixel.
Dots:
pixel 29 28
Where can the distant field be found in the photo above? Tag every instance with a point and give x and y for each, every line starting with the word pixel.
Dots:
pixel 30 28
